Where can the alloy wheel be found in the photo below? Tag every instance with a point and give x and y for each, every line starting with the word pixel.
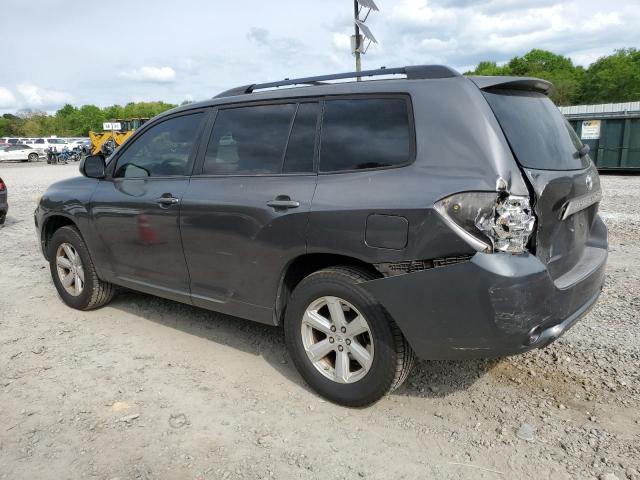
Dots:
pixel 337 339
pixel 70 270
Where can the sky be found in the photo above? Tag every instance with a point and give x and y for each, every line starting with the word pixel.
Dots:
pixel 79 52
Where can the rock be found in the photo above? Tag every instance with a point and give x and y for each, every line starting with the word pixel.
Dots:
pixel 609 476
pixel 178 420
pixel 38 350
pixel 129 418
pixel 526 432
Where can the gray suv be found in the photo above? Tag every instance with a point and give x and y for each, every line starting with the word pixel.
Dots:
pixel 435 215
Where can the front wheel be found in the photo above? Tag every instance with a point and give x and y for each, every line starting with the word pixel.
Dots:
pixel 73 273
pixel 342 341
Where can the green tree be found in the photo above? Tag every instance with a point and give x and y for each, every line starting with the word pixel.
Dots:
pixel 490 68
pixel 614 78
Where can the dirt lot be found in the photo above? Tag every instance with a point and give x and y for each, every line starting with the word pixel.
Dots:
pixel 150 389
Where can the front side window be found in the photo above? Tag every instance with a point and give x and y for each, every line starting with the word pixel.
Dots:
pixel 249 140
pixel 161 151
pixel 364 133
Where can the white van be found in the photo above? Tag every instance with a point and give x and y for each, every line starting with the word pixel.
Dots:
pixel 42 144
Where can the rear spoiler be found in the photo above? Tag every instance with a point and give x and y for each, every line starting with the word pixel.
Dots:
pixel 512 83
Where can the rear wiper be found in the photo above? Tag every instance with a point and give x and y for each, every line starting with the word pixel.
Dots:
pixel 584 150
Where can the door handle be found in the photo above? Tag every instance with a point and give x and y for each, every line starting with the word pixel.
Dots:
pixel 166 201
pixel 283 202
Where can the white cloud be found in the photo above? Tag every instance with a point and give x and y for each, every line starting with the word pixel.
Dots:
pixel 7 98
pixel 151 74
pixel 254 42
pixel 37 97
pixel 341 41
pixel 601 21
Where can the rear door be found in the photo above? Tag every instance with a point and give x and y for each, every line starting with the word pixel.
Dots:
pixel 136 209
pixel 245 212
pixel 566 183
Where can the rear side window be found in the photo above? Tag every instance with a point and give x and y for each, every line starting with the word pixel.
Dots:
pixel 539 135
pixel 249 140
pixel 163 150
pixel 364 133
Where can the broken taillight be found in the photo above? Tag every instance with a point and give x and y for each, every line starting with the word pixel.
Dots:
pixel 490 221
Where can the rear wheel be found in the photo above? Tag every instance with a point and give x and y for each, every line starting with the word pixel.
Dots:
pixel 73 272
pixel 342 341
pixel 33 157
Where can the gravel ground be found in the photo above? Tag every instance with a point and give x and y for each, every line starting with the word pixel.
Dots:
pixel 150 389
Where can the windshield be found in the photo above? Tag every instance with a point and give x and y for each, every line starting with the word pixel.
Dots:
pixel 539 135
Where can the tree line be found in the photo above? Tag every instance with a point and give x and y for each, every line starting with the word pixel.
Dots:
pixel 610 79
pixel 613 78
pixel 72 121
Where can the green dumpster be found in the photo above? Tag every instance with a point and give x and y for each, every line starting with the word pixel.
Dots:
pixel 612 132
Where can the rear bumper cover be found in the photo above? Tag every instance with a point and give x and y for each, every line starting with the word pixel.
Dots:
pixel 488 306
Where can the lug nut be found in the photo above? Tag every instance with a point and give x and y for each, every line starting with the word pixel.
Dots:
pixel 347 341
pixel 331 340
pixel 333 328
pixel 343 330
pixel 340 348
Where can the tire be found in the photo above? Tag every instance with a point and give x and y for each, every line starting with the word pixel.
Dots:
pixel 33 157
pixel 391 357
pixel 94 293
pixel 3 217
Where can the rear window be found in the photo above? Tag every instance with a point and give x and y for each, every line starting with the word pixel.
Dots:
pixel 364 133
pixel 540 136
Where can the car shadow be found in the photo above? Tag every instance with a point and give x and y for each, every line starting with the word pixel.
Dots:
pixel 429 379
pixel 440 378
pixel 250 337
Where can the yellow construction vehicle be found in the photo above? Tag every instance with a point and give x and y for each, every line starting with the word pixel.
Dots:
pixel 115 134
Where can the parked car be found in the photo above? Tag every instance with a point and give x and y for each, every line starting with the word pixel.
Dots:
pixel 21 152
pixel 4 203
pixel 374 220
pixel 75 142
pixel 43 144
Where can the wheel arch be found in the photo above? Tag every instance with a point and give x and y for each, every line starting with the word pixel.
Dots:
pixel 304 265
pixel 50 225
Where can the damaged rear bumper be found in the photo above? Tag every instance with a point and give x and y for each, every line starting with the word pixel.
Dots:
pixel 492 305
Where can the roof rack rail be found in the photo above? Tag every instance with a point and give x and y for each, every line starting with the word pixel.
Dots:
pixel 413 72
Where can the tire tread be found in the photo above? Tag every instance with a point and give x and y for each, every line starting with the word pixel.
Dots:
pixel 103 292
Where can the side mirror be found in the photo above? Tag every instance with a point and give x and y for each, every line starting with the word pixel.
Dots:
pixel 93 166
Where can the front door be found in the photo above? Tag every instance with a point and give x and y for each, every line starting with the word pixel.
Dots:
pixel 245 213
pixel 136 209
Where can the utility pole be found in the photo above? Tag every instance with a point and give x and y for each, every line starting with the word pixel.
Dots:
pixel 356 49
pixel 359 26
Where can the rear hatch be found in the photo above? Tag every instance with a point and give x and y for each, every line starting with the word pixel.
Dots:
pixel 563 178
